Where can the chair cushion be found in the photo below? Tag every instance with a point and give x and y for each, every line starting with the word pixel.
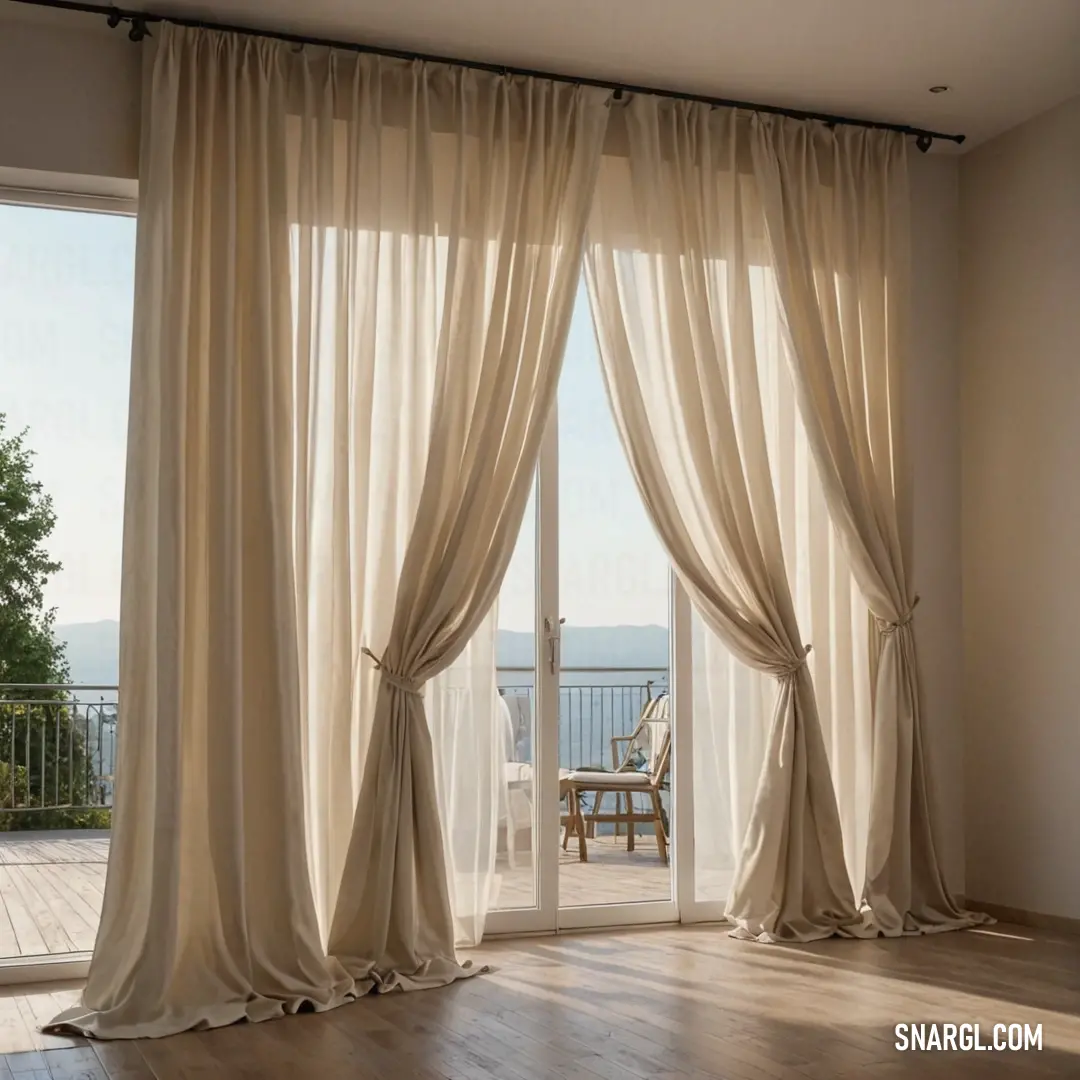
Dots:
pixel 583 778
pixel 521 772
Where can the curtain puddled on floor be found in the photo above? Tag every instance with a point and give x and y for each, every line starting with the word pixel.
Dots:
pixel 671 239
pixel 836 206
pixel 355 278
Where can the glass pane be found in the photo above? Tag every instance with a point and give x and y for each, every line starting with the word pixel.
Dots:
pixel 613 584
pixel 66 292
pixel 516 853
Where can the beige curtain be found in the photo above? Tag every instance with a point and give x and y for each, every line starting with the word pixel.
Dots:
pixel 732 702
pixel 520 199
pixel 836 205
pixel 208 915
pixel 355 280
pixel 439 222
pixel 669 281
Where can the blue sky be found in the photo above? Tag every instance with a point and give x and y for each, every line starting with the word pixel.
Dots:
pixel 66 285
pixel 66 282
pixel 612 569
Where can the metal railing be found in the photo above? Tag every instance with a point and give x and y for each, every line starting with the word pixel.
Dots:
pixel 590 715
pixel 58 742
pixel 57 755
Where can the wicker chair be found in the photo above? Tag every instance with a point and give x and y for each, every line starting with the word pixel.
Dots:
pixel 642 770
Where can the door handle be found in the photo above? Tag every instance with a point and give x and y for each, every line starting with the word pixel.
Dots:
pixel 553 635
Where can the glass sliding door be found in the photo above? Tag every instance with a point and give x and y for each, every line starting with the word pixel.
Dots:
pixel 516 850
pixel 614 682
pixel 526 867
pixel 587 835
pixel 66 296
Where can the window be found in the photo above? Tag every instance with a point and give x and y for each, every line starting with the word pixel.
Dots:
pixel 66 298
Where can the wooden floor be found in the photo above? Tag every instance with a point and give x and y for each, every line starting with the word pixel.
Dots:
pixel 671 1004
pixel 680 1003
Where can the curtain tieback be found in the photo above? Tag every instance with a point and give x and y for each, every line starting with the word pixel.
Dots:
pixel 887 627
pixel 399 682
pixel 791 669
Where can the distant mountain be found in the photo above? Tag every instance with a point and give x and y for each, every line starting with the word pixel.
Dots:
pixel 93 649
pixel 592 647
pixel 93 652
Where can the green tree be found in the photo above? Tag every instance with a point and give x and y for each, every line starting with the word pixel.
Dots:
pixel 29 653
pixel 43 759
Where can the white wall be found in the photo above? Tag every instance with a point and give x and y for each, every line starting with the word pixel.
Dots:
pixel 1020 312
pixel 70 88
pixel 934 411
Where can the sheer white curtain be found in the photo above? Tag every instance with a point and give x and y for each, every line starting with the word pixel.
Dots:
pixel 355 280
pixel 733 702
pixel 441 214
pixel 836 205
pixel 517 180
pixel 670 284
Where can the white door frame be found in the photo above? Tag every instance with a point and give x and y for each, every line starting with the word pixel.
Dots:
pixel 543 917
pixel 691 909
pixel 547 916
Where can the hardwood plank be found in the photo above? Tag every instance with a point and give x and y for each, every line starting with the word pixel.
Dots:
pixel 674 1003
pixel 74 1063
pixel 122 1060
pixel 79 895
pixel 87 879
pixel 612 875
pixel 28 937
pixel 69 920
pixel 28 1062
pixel 15 1034
pixel 9 941
pixel 49 926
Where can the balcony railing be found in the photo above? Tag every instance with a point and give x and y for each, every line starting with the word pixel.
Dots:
pixel 58 743
pixel 57 755
pixel 590 714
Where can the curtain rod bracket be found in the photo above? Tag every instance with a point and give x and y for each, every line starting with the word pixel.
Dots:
pixel 924 142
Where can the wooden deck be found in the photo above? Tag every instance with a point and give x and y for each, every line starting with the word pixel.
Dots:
pixel 51 885
pixel 612 875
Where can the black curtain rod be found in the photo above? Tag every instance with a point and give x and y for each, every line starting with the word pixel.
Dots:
pixel 140 22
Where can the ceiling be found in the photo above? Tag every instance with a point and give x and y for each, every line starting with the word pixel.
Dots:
pixel 1004 60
